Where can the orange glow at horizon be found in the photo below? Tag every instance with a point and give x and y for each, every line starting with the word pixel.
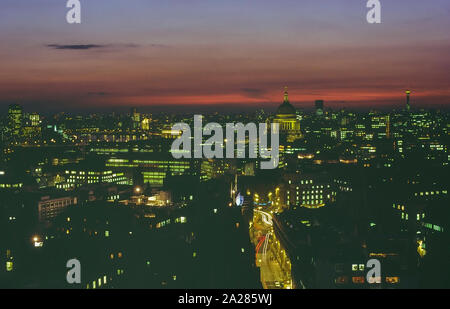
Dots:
pixel 297 98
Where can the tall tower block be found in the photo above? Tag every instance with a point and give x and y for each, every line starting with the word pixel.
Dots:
pixel 408 106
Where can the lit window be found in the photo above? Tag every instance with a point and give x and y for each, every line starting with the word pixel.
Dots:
pixel 392 280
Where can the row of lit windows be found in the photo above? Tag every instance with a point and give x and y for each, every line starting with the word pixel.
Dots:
pixel 311 192
pixel 56 204
pixel 89 173
pixel 98 283
pixel 9 185
pixel 430 193
pixel 433 227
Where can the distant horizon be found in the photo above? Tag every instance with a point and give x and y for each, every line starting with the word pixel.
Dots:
pixel 237 53
pixel 210 109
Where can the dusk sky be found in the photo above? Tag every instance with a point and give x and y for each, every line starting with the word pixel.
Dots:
pixel 195 52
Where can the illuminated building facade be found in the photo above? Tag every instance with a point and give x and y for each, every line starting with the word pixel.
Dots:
pixel 78 176
pixel 136 118
pixel 380 126
pixel 145 124
pixel 15 118
pixel 31 128
pixel 152 171
pixel 49 208
pixel 35 119
pixel 310 191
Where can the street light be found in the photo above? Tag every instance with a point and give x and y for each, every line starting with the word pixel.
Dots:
pixel 37 242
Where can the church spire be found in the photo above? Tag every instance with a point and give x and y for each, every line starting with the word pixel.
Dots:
pixel 286 95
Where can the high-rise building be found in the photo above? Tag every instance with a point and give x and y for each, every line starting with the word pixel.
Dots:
pixel 35 119
pixel 408 105
pixel 145 124
pixel 380 126
pixel 31 125
pixel 15 115
pixel 136 118
pixel 319 107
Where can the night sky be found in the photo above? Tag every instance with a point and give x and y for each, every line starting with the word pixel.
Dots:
pixel 223 52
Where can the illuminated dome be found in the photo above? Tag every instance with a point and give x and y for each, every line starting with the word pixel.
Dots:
pixel 286 108
pixel 286 117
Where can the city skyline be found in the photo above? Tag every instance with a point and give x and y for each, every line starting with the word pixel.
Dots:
pixel 108 193
pixel 218 149
pixel 232 54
